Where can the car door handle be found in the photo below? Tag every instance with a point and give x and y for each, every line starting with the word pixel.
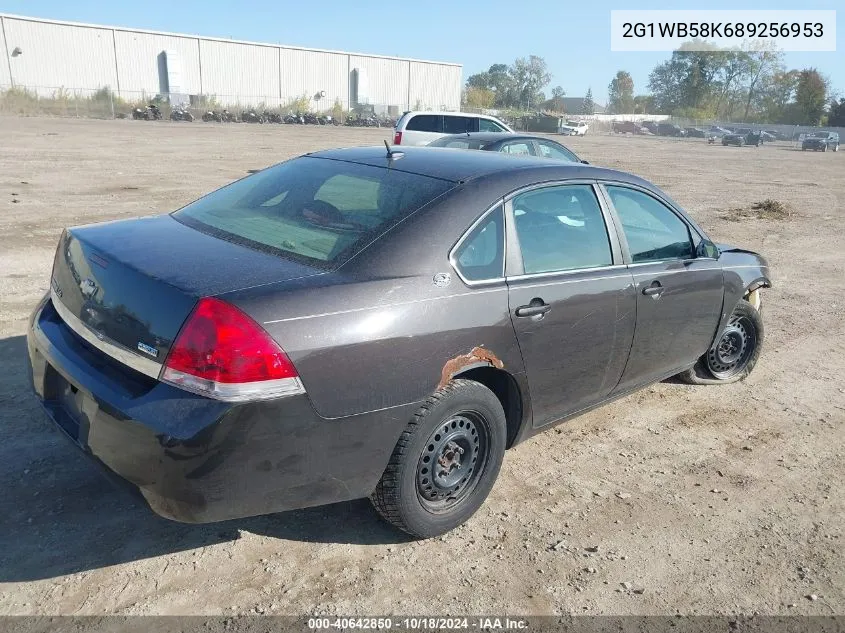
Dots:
pixel 654 290
pixel 534 309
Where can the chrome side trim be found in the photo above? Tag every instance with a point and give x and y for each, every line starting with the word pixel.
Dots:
pixel 146 366
pixel 234 392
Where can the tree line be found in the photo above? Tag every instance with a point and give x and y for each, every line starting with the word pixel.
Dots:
pixel 742 85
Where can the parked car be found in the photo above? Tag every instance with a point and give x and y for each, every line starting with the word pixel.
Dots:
pixel 651 126
pixel 669 129
pixel 694 132
pixel 421 128
pixel 507 143
pixel 821 141
pixel 767 137
pixel 346 324
pixel 630 127
pixel 718 132
pixel 573 128
pixel 743 136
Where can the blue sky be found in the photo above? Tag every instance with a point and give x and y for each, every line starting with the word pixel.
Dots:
pixel 573 38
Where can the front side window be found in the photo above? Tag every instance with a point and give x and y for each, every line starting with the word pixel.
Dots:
pixel 653 231
pixel 482 254
pixel 316 210
pixel 561 228
pixel 486 125
pixel 553 150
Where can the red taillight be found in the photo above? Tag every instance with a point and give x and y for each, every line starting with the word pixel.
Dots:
pixel 223 353
pixel 397 138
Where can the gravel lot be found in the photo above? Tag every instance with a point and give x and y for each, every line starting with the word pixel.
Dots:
pixel 708 499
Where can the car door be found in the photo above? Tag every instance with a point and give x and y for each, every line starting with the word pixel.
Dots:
pixel 679 296
pixel 570 295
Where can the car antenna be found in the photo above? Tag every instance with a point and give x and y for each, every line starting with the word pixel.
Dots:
pixel 392 153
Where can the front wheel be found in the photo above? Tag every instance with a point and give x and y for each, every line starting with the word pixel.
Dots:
pixel 735 352
pixel 445 462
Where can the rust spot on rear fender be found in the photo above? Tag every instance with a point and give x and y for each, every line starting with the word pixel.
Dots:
pixel 477 356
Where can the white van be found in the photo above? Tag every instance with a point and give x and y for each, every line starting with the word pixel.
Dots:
pixel 421 128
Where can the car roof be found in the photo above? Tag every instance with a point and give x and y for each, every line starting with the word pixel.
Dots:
pixel 460 166
pixel 493 136
pixel 446 112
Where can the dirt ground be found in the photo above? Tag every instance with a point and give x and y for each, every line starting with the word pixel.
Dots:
pixel 715 500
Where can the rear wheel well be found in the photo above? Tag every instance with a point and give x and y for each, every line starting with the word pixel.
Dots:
pixel 505 388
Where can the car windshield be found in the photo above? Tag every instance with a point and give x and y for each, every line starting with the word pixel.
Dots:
pixel 820 135
pixel 317 210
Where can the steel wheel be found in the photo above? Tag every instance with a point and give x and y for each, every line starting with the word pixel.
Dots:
pixel 735 348
pixel 452 461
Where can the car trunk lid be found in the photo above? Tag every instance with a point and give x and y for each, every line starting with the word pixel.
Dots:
pixel 128 286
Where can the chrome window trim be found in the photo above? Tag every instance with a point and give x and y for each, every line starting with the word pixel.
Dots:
pixel 454 261
pixel 146 366
pixel 572 271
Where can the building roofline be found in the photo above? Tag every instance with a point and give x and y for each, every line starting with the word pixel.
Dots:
pixel 126 29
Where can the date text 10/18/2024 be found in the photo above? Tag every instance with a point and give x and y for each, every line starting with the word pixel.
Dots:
pixel 417 623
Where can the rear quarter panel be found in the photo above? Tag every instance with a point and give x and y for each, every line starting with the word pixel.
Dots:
pixel 379 333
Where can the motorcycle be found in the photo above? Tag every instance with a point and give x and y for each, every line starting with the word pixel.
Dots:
pixel 181 113
pixel 311 118
pixel 150 113
pixel 272 117
pixel 251 116
pixel 212 115
pixel 294 119
pixel 229 117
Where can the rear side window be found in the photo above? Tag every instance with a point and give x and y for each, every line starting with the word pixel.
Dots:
pixel 486 125
pixel 311 209
pixel 561 228
pixel 459 124
pixel 481 255
pixel 425 123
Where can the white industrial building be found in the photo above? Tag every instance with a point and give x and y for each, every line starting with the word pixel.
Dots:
pixel 46 56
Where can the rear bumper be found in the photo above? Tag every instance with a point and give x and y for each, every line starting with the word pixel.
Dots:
pixel 199 460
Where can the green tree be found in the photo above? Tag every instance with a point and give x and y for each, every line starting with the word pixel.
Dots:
pixel 620 93
pixel 777 94
pixel 557 103
pixel 836 116
pixel 810 96
pixel 529 76
pixel 644 104
pixel 588 106
pixel 480 97
pixel 688 80
pixel 759 65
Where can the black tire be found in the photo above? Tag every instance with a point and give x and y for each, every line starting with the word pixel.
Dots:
pixel 715 367
pixel 410 495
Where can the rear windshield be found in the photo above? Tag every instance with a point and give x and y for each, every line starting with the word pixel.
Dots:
pixel 320 211
pixel 459 143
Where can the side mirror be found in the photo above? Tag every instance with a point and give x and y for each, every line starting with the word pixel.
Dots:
pixel 707 249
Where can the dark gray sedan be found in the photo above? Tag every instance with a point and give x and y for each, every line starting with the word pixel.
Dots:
pixel 368 323
pixel 508 143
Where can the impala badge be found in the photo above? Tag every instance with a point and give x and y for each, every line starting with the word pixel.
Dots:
pixel 441 280
pixel 148 349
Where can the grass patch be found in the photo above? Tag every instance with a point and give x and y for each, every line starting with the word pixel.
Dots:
pixel 768 209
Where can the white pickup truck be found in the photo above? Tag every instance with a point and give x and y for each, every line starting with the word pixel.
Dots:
pixel 573 128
